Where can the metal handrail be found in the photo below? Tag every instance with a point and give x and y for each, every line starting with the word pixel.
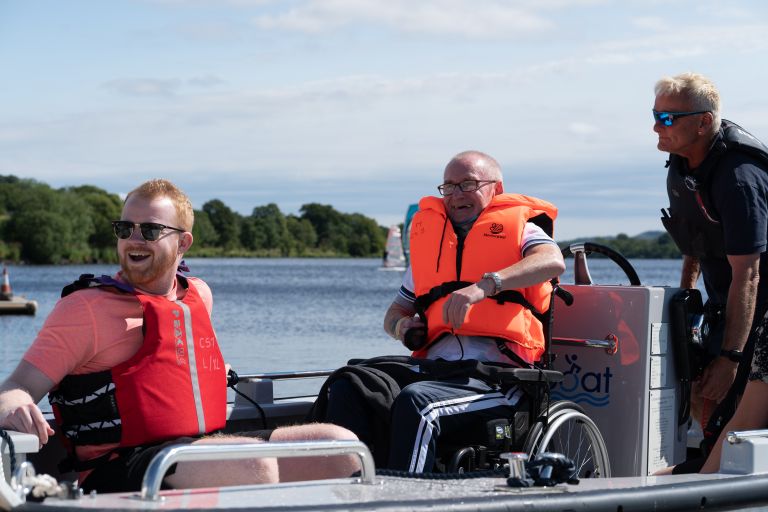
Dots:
pixel 165 458
pixel 304 374
pixel 610 344
pixel 735 437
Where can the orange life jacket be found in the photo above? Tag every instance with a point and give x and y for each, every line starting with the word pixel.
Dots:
pixel 175 385
pixel 492 244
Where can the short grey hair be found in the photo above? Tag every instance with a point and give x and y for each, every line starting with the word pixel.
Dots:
pixel 480 160
pixel 697 89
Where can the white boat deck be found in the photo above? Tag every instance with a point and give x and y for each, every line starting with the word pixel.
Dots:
pixel 677 492
pixel 741 484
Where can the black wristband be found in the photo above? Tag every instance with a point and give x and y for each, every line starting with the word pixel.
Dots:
pixel 733 355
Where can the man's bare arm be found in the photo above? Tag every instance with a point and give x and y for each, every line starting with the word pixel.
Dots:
pixel 19 394
pixel 690 272
pixel 398 319
pixel 740 309
pixel 541 263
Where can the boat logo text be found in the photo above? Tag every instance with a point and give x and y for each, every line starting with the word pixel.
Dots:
pixel 593 388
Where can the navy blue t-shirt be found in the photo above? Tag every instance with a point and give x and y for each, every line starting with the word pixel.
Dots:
pixel 739 194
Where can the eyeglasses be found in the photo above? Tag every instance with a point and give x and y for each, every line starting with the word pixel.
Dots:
pixel 446 189
pixel 667 118
pixel 151 231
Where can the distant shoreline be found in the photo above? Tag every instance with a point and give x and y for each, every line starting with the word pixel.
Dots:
pixel 254 257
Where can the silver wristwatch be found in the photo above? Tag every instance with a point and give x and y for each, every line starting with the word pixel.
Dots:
pixel 496 278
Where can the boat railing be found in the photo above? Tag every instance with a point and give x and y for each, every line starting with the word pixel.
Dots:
pixel 610 344
pixel 153 477
pixel 305 374
pixel 259 386
pixel 255 396
pixel 736 437
pixel 745 452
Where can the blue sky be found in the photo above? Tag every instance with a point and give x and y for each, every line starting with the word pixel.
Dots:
pixel 361 103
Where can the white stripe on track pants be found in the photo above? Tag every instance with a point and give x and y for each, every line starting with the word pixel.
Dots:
pixel 457 410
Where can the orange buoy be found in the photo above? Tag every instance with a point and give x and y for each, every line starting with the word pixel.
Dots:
pixel 5 288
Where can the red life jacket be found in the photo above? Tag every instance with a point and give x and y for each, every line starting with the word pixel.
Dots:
pixel 175 385
pixel 493 243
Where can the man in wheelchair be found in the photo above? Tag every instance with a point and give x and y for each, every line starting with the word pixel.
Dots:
pixel 475 296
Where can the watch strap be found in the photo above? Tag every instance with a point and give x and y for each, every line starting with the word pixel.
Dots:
pixel 734 355
pixel 496 279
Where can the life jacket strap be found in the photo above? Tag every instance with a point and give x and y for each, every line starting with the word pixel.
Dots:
pixel 501 344
pixel 91 281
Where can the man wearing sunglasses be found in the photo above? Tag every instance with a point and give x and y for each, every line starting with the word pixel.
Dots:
pixel 718 217
pixel 477 285
pixel 132 365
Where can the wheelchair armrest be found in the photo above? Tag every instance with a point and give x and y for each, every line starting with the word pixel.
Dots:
pixel 529 375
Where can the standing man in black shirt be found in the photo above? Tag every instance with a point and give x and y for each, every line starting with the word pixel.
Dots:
pixel 718 217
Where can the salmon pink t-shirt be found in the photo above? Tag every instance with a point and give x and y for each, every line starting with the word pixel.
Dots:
pixel 93 330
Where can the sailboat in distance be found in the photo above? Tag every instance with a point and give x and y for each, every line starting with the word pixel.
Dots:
pixel 393 258
pixel 398 249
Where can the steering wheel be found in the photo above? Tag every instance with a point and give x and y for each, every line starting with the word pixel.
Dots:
pixel 581 271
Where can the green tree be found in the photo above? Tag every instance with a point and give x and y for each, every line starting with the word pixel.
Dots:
pixel 81 228
pixel 302 233
pixel 103 208
pixel 50 225
pixel 225 222
pixel 203 232
pixel 365 236
pixel 325 221
pixel 43 235
pixel 353 234
pixel 251 237
pixel 271 225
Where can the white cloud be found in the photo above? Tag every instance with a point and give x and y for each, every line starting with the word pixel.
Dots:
pixel 160 87
pixel 205 81
pixel 685 41
pixel 723 10
pixel 490 19
pixel 652 23
pixel 232 3
pixel 214 31
pixel 582 128
pixel 152 87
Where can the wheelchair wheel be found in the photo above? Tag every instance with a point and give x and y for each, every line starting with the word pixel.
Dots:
pixel 572 433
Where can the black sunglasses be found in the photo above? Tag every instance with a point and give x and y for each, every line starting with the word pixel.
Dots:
pixel 667 118
pixel 151 231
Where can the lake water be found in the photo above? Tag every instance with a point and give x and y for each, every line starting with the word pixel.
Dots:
pixel 282 314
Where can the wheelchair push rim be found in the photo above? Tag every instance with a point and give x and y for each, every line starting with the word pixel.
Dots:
pixel 571 432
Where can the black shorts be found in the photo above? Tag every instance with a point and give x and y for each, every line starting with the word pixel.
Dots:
pixel 126 472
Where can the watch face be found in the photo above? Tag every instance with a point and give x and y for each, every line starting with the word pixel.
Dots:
pixel 496 278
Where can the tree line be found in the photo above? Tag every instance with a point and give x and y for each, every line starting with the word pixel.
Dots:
pixel 40 224
pixel 656 246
